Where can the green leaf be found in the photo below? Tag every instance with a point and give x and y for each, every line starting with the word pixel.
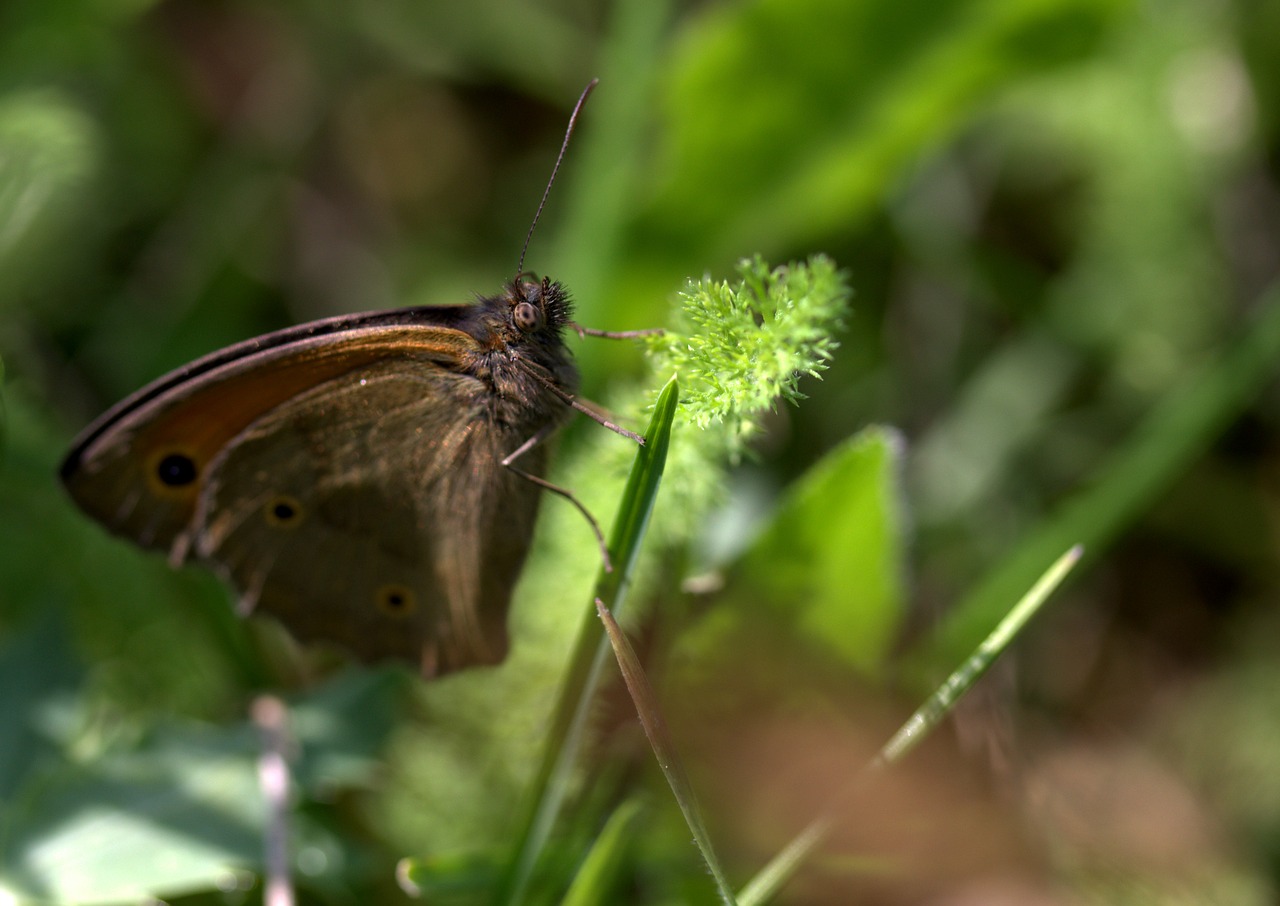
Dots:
pixel 182 811
pixel 179 815
pixel 597 879
pixel 829 563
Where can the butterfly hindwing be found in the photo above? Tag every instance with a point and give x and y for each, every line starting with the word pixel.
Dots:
pixel 354 515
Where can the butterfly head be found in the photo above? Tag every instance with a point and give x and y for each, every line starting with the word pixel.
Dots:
pixel 537 307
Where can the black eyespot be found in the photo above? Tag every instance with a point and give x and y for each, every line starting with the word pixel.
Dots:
pixel 527 316
pixel 396 600
pixel 283 512
pixel 176 470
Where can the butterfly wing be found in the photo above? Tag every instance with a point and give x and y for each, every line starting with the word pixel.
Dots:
pixel 139 468
pixel 369 513
pixel 350 488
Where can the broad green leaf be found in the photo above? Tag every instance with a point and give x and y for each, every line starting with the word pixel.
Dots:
pixel 829 562
pixel 180 815
pixel 182 811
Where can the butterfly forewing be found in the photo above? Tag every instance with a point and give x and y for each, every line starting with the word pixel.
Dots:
pixel 140 467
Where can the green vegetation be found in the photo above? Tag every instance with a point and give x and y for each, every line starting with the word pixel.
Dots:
pixel 1031 303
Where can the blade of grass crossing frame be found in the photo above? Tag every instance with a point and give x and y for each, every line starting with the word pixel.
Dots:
pixel 769 880
pixel 944 698
pixel 655 728
pixel 590 651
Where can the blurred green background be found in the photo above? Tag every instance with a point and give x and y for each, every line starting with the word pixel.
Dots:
pixel 1061 221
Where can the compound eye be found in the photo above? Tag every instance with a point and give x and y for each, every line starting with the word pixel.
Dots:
pixel 527 316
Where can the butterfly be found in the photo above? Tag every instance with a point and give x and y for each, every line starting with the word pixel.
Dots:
pixel 370 480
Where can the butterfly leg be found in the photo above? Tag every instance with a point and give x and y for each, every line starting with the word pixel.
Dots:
pixel 602 416
pixel 576 404
pixel 615 334
pixel 524 448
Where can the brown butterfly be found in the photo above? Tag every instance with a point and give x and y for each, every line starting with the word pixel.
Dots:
pixel 370 480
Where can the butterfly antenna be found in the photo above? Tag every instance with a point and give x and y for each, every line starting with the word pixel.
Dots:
pixel 568 133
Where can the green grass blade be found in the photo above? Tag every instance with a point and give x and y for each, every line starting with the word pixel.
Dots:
pixel 590 651
pixel 769 880
pixel 655 728
pixel 944 698
pixel 595 880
